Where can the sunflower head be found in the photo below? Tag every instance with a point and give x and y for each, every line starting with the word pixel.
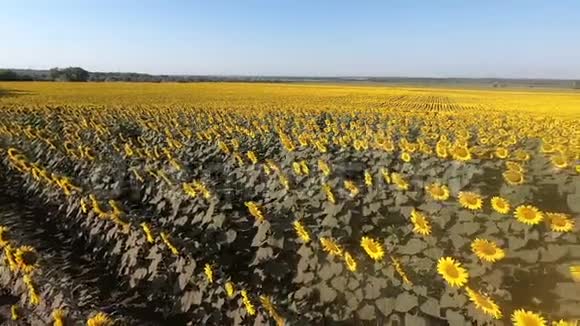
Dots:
pixel 560 222
pixel 528 214
pixel 26 258
pixel 452 272
pixel 461 152
pixel 100 319
pixel 420 223
pixel 559 161
pixel 523 317
pixel 470 200
pixel 484 303
pixel 59 317
pixel 513 177
pixel 368 178
pixel 500 205
pixel 399 181
pixel 301 231
pixel 350 262
pixel 330 246
pixel 487 250
pixel 373 248
pixel 438 191
pixel 406 157
pixel 208 271
pixel 230 289
pixel 501 152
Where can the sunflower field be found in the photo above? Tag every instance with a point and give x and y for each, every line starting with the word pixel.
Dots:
pixel 297 204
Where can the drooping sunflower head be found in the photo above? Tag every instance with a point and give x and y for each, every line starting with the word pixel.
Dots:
pixel 452 272
pixel 528 214
pixel 399 181
pixel 523 317
pixel 208 271
pixel 301 231
pixel 100 319
pixel 330 246
pixel 513 177
pixel 230 289
pixel 500 205
pixel 368 178
pixel 487 250
pixel 420 223
pixel 484 303
pixel 26 258
pixel 560 222
pixel 438 191
pixel 350 262
pixel 373 248
pixel 470 200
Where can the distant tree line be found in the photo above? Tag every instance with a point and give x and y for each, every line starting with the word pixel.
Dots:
pixel 77 74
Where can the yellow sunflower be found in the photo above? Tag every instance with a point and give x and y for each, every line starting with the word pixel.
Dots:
pixel 438 191
pixel 420 223
pixel 513 177
pixel 351 187
pixel 349 261
pixel 328 192
pixel 470 200
pixel 230 289
pixel 368 178
pixel 406 157
pixel 301 231
pixel 208 271
pixel 100 319
pixel 575 272
pixel 484 303
pixel 399 181
pixel 330 246
pixel 452 272
pixel 514 166
pixel 501 152
pixel 560 222
pixel 372 247
pixel 461 153
pixel 560 161
pixel 26 258
pixel 58 316
pixel 523 317
pixel 528 214
pixel 487 250
pixel 255 210
pixel 521 155
pixel 500 205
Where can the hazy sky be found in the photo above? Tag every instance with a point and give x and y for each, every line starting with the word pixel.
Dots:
pixel 487 38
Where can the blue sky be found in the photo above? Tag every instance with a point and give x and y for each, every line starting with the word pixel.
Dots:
pixel 536 39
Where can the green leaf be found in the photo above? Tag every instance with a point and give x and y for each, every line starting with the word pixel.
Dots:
pixel 431 307
pixel 405 302
pixel 385 305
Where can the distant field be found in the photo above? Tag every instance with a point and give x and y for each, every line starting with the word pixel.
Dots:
pixel 297 204
pixel 312 96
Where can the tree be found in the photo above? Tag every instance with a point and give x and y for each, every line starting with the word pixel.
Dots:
pixel 74 74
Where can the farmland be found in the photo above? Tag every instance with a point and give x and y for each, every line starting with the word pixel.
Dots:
pixel 306 204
